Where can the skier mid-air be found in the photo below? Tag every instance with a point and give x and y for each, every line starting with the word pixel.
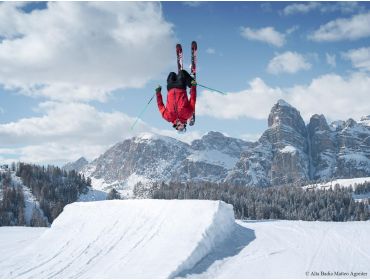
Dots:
pixel 179 110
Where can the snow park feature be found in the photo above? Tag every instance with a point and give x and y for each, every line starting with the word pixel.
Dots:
pixel 124 239
pixel 181 239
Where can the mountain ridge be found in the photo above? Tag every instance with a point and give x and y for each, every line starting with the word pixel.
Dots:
pixel 288 152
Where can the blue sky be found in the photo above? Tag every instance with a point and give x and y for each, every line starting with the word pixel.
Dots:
pixel 74 75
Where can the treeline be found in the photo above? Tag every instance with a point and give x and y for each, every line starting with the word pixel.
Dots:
pixel 52 186
pixel 11 202
pixel 287 203
pixel 362 188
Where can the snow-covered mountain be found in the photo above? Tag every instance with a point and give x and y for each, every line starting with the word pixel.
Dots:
pixel 150 157
pixel 289 151
pixel 77 165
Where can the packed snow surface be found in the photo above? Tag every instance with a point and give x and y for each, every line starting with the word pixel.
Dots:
pixel 294 249
pixel 186 239
pixel 14 239
pixel 124 239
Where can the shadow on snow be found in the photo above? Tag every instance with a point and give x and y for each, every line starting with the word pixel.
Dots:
pixel 237 241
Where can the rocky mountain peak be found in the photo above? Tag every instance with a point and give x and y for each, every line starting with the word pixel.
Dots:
pixel 283 114
pixel 77 165
pixel 350 123
pixel 318 123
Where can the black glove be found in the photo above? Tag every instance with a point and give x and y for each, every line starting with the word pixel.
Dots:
pixel 158 89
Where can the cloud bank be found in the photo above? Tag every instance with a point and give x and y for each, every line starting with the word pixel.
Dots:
pixel 353 28
pixel 288 62
pixel 267 34
pixel 334 96
pixel 82 50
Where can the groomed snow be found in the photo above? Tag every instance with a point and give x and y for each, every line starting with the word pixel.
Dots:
pixel 294 249
pixel 191 239
pixel 124 239
pixel 14 239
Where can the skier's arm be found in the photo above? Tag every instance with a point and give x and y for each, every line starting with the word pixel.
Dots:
pixel 161 107
pixel 193 97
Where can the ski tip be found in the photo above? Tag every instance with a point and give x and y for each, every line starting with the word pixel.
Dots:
pixel 194 45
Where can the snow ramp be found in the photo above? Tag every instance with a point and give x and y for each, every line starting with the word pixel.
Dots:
pixel 125 239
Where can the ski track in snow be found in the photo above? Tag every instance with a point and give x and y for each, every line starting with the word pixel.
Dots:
pixel 179 239
pixel 123 239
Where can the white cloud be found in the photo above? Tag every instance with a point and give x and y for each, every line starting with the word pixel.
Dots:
pixel 254 102
pixel 332 95
pixel 304 8
pixel 64 132
pixel 331 59
pixel 344 7
pixel 352 28
pixel 267 34
pixel 83 50
pixel 292 29
pixel 67 131
pixel 360 58
pixel 210 51
pixel 288 62
pixel 192 3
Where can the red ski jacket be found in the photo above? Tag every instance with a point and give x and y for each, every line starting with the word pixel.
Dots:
pixel 178 106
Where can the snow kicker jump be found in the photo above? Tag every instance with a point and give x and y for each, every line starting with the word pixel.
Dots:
pixel 124 239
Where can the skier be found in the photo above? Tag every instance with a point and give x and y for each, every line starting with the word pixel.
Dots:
pixel 179 109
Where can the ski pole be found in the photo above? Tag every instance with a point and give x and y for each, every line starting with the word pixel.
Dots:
pixel 211 89
pixel 142 112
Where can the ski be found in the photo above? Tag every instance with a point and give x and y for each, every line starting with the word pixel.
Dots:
pixel 179 57
pixel 194 49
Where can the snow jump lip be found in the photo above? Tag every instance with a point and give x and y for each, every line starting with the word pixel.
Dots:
pixel 125 239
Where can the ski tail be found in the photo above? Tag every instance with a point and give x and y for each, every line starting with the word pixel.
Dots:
pixel 179 55
pixel 194 50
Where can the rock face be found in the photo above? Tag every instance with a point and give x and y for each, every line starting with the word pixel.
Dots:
pixel 150 157
pixel 288 152
pixel 323 148
pixel 281 154
pixel 211 158
pixel 78 165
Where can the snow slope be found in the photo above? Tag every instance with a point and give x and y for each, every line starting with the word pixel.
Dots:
pixel 124 239
pixel 31 203
pixel 186 239
pixel 14 239
pixel 342 182
pixel 293 249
